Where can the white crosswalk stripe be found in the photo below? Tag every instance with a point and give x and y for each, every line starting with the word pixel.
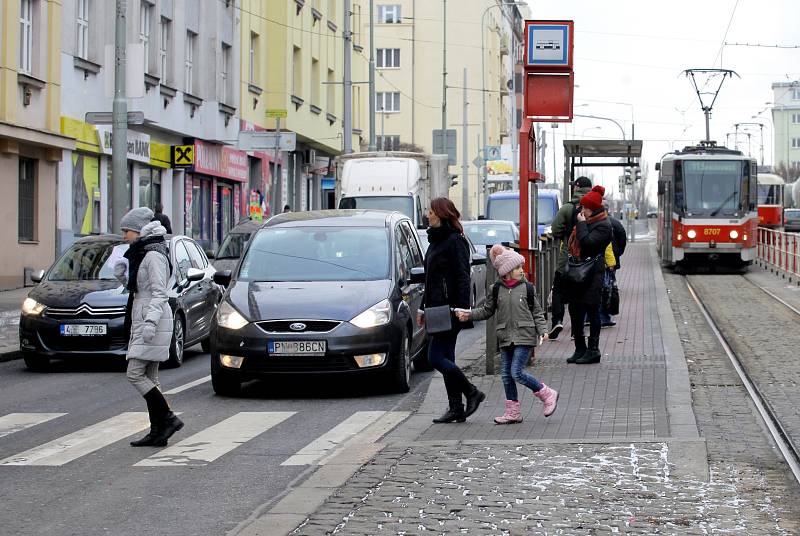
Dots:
pixel 361 427
pixel 14 422
pixel 85 441
pixel 208 445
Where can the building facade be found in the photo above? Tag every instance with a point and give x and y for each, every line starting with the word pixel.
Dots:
pixel 786 122
pixel 30 143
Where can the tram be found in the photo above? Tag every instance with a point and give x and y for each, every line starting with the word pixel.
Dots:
pixel 770 200
pixel 707 207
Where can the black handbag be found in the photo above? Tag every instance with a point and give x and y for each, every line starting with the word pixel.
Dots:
pixel 579 272
pixel 438 319
pixel 613 301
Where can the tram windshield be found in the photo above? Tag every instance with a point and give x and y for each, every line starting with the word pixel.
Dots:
pixel 712 186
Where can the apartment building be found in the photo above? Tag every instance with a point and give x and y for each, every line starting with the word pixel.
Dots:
pixel 30 143
pixel 786 122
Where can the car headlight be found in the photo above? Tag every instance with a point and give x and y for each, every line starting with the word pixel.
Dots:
pixel 377 315
pixel 692 234
pixel 31 307
pixel 734 234
pixel 229 318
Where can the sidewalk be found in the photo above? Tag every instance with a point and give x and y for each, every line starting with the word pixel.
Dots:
pixel 10 302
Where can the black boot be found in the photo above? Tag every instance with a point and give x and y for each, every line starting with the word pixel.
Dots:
pixel 474 399
pixel 473 394
pixel 580 349
pixel 168 422
pixel 592 355
pixel 148 440
pixel 453 414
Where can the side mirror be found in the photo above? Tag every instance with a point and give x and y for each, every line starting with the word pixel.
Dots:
pixel 209 254
pixel 418 274
pixel 193 274
pixel 223 278
pixel 662 187
pixel 478 259
pixel 37 276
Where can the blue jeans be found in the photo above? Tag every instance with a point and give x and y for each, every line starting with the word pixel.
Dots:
pixel 512 370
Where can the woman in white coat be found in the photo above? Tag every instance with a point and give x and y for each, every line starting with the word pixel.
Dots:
pixel 149 317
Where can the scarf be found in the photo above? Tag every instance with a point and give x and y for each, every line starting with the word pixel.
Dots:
pixel 136 253
pixel 574 244
pixel 439 234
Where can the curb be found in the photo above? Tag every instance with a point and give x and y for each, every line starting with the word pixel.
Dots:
pixel 10 355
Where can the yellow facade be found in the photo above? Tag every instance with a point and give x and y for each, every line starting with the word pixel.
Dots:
pixel 290 55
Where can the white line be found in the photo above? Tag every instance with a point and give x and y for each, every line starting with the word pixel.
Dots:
pixel 371 434
pixel 206 446
pixel 339 434
pixel 83 442
pixel 14 422
pixel 186 386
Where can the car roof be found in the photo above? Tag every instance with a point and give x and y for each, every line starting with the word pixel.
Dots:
pixel 488 222
pixel 114 238
pixel 335 218
pixel 246 225
pixel 505 194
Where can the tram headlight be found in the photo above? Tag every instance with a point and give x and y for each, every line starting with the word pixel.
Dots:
pixel 734 234
pixel 680 237
pixel 692 234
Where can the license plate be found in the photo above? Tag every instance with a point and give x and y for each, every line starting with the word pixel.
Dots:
pixel 84 330
pixel 296 348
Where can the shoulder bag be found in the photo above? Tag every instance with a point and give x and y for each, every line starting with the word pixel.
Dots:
pixel 579 272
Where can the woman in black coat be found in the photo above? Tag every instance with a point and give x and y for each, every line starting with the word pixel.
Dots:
pixel 447 282
pixel 590 238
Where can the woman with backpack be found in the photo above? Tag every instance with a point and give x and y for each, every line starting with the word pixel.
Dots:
pixel 520 327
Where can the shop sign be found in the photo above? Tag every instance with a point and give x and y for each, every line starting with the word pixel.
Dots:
pixel 138 143
pixel 220 161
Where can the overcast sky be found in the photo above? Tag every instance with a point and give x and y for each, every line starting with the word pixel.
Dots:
pixel 634 51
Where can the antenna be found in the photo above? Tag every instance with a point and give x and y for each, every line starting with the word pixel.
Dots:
pixel 701 93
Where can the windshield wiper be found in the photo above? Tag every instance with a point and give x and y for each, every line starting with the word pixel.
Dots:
pixel 716 210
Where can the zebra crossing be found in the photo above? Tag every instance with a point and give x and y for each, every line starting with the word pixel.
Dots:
pixel 202 448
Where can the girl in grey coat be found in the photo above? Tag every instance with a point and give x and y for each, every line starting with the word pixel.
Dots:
pixel 520 326
pixel 149 317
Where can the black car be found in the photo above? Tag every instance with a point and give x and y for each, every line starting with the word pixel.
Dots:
pixel 322 292
pixel 78 307
pixel 791 220
pixel 230 251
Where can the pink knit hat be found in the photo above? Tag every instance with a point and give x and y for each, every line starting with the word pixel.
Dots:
pixel 504 259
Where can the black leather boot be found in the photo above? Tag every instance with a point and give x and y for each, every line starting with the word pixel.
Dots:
pixel 453 414
pixel 580 349
pixel 148 440
pixel 169 425
pixel 592 355
pixel 474 399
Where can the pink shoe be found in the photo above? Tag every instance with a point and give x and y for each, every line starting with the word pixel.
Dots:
pixel 512 414
pixel 549 398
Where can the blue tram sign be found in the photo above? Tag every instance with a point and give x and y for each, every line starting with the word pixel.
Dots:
pixel 549 44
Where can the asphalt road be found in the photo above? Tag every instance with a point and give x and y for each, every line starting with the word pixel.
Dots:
pixel 64 470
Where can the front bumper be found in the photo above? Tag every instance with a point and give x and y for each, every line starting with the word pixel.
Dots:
pixel 41 335
pixel 343 343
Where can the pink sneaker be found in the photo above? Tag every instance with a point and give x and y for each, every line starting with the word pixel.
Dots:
pixel 549 398
pixel 512 414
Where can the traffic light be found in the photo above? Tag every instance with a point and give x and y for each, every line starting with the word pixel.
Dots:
pixel 638 174
pixel 628 176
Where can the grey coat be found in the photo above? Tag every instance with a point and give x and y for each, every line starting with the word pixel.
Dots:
pixel 515 323
pixel 150 304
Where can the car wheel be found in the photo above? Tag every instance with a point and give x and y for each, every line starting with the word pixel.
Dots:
pixel 223 384
pixel 176 346
pixel 36 362
pixel 205 344
pixel 400 375
pixel 421 363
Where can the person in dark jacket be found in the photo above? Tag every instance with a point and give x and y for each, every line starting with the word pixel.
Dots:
pixel 589 239
pixel 619 239
pixel 447 276
pixel 159 216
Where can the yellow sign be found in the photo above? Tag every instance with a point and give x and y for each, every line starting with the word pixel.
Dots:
pixel 276 113
pixel 183 155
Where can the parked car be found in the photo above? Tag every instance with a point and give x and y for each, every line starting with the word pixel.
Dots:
pixel 78 307
pixel 484 233
pixel 791 220
pixel 322 292
pixel 477 270
pixel 504 206
pixel 230 251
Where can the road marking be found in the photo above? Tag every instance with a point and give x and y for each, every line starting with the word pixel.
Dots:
pixel 186 386
pixel 342 434
pixel 208 445
pixel 371 434
pixel 73 446
pixel 14 422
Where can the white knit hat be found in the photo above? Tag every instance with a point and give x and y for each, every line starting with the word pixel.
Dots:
pixel 505 260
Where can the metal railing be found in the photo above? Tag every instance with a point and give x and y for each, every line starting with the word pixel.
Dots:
pixel 779 251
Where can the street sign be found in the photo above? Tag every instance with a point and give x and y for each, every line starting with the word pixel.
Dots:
pixel 250 140
pixel 107 118
pixel 276 113
pixel 448 148
pixel 493 152
pixel 478 162
pixel 183 155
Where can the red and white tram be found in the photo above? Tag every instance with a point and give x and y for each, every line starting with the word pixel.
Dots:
pixel 707 206
pixel 770 200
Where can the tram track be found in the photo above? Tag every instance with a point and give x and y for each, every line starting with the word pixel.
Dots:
pixel 782 437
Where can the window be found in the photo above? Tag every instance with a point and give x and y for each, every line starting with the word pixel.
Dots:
pixel 182 260
pixel 188 63
pixel 163 49
pixel 388 14
pixel 253 58
pixel 224 73
pixel 795 118
pixel 331 104
pixel 795 143
pixel 27 201
pixel 149 187
pixel 405 260
pixel 297 71
pixel 388 58
pixel 145 18
pixel 82 48
pixel 387 143
pixel 387 101
pixel 315 81
pixel 796 94
pixel 198 257
pixel 26 36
